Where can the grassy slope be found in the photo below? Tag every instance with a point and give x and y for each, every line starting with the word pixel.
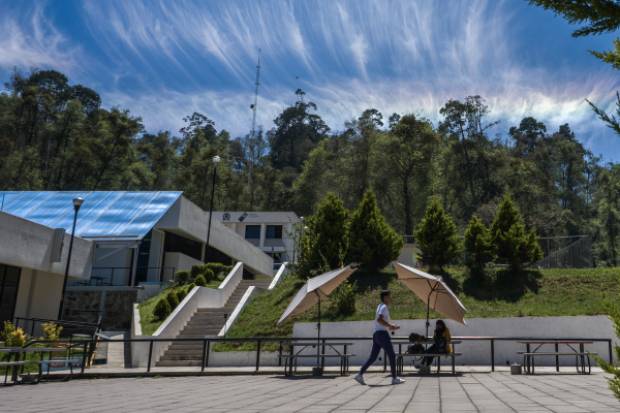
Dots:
pixel 560 292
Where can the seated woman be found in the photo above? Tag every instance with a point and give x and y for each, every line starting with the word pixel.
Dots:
pixel 441 345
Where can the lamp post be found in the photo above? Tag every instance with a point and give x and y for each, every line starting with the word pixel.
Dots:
pixel 216 159
pixel 77 203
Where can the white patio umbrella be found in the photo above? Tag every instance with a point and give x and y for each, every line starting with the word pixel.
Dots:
pixel 312 292
pixel 433 291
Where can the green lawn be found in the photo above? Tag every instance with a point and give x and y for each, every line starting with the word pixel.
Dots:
pixel 556 292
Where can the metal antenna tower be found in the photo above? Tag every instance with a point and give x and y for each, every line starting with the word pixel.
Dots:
pixel 253 133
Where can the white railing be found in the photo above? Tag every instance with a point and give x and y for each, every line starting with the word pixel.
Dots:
pixel 279 276
pixel 247 296
pixel 198 297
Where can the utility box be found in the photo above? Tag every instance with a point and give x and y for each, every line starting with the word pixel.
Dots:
pixel 515 368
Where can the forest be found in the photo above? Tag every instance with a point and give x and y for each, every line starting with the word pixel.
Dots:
pixel 55 135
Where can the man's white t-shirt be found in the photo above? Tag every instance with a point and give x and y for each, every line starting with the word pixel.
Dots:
pixel 383 310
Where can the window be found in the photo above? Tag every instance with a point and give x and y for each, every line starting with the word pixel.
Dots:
pixel 252 232
pixel 274 232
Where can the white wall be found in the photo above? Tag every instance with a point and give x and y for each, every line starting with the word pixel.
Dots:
pixel 187 218
pixel 26 244
pixel 180 261
pixel 38 294
pixel 478 352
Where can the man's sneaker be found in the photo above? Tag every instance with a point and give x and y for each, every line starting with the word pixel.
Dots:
pixel 360 379
pixel 397 380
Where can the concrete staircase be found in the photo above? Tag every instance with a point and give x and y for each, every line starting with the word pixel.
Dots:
pixel 204 322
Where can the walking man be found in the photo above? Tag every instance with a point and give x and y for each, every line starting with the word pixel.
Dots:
pixel 381 339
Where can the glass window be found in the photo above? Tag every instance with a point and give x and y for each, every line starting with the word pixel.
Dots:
pixel 274 232
pixel 252 232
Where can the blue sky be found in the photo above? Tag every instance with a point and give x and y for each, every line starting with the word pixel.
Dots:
pixel 163 60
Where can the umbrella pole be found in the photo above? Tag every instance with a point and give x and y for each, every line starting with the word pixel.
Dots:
pixel 317 370
pixel 428 310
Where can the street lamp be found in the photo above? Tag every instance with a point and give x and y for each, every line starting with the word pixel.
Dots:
pixel 216 159
pixel 77 203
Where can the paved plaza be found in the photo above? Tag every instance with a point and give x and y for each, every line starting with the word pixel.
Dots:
pixel 478 392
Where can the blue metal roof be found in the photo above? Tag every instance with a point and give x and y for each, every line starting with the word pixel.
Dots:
pixel 104 214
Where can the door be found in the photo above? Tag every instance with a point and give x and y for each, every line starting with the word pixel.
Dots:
pixel 9 283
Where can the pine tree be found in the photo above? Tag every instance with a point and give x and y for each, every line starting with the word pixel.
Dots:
pixel 437 237
pixel 325 240
pixel 478 247
pixel 373 242
pixel 513 243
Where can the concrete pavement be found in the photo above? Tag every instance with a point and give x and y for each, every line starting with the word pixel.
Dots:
pixel 470 392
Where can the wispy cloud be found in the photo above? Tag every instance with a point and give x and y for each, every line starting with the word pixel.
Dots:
pixel 167 59
pixel 34 42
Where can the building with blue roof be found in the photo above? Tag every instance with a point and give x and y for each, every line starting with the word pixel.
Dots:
pixel 138 236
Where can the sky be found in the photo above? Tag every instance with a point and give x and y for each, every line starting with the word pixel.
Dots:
pixel 164 60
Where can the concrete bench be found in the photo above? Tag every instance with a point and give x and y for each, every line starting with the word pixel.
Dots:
pixel 400 359
pixel 290 361
pixel 581 359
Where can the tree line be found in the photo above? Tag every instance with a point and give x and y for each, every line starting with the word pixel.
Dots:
pixel 55 135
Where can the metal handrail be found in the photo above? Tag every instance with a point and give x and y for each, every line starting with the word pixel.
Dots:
pixel 259 341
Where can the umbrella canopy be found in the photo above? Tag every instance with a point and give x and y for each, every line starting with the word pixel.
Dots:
pixel 315 288
pixel 433 291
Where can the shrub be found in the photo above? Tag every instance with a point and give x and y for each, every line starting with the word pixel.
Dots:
pixel 13 336
pixel 324 243
pixel 195 271
pixel 343 299
pixel 51 331
pixel 372 241
pixel 200 281
pixel 162 309
pixel 478 247
pixel 172 299
pixel 182 277
pixel 204 270
pixel 437 237
pixel 513 243
pixel 181 294
pixel 614 371
pixel 218 268
pixel 208 274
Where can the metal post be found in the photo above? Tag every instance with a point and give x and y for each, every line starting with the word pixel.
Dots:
pixel 216 159
pixel 208 349
pixel 148 365
pixel 611 352
pixel 77 203
pixel 557 358
pixel 492 354
pixel 317 370
pixel 258 342
pixel 204 355
pixel 84 357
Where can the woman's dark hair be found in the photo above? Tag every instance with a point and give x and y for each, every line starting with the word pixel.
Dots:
pixel 440 324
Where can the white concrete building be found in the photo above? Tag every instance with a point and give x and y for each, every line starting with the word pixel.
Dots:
pixel 138 237
pixel 275 233
pixel 33 258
